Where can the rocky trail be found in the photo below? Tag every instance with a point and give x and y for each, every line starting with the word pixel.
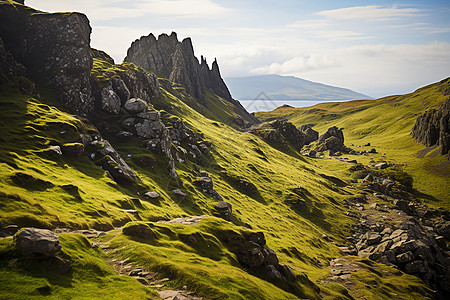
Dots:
pixel 406 236
pixel 126 267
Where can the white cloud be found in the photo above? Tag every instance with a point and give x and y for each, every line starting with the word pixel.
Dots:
pixel 102 10
pixel 183 8
pixel 370 13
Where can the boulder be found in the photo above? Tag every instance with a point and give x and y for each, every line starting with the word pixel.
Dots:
pixel 120 89
pixel 138 230
pixel 224 210
pixel 106 99
pixel 73 149
pixel 135 106
pixel 281 132
pixel 273 273
pixel 332 132
pixel 270 257
pixel 34 242
pixel 111 161
pixel 332 143
pixel 287 273
pixel 205 183
pixel 152 195
pixel 55 149
pixel 382 165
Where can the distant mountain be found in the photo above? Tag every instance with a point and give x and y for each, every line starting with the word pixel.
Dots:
pixel 279 87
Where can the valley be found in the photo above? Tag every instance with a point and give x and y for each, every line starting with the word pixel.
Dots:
pixel 147 180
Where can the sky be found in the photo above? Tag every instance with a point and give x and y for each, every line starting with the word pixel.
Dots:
pixel 378 48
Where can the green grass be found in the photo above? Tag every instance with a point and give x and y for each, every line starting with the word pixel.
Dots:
pixel 386 124
pixel 89 277
pixel 32 193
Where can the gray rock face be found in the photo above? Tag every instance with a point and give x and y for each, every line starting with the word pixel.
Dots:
pixel 106 99
pixel 310 134
pixel 433 127
pixel 9 68
pixel 54 48
pixel 169 58
pixel 40 243
pixel 281 132
pixel 129 82
pixel 333 140
pixel 120 89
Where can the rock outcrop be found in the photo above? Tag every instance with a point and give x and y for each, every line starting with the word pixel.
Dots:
pixel 174 60
pixel 55 50
pixel 433 127
pixel 310 134
pixel 9 68
pixel 280 132
pixel 169 58
pixel 332 140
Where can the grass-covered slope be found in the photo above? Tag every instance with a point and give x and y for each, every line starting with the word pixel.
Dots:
pixel 293 200
pixel 90 276
pixel 386 124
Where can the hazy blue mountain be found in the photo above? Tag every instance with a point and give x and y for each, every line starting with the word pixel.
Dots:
pixel 279 87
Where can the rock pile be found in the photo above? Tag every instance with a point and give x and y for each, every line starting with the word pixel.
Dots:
pixel 419 245
pixel 252 253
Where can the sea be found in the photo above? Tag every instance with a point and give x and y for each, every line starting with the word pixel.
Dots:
pixel 270 104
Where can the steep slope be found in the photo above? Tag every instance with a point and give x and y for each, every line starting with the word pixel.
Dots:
pixel 279 87
pixel 386 124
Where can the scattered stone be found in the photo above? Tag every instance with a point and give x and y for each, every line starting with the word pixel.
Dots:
pixel 55 149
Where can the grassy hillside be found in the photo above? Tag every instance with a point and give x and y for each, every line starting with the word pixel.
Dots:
pixel 385 124
pixel 37 189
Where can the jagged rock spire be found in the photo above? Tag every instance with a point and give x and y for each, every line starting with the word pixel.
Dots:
pixel 169 58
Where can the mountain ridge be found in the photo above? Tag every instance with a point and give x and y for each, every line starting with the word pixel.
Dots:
pixel 279 87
